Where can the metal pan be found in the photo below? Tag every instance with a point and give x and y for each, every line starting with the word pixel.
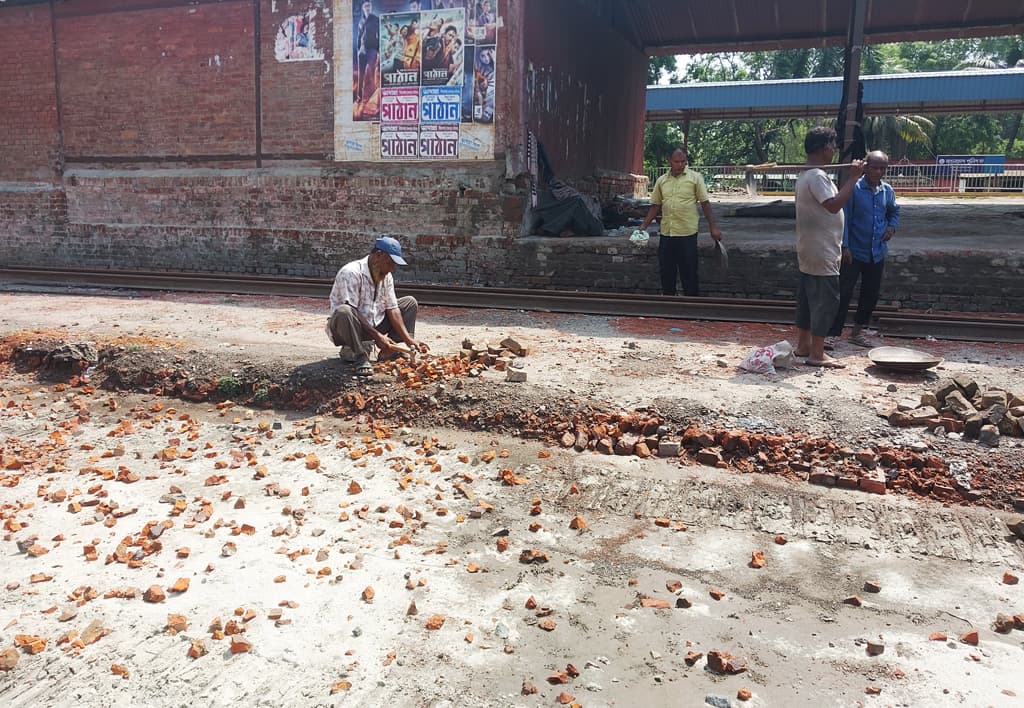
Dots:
pixel 903 358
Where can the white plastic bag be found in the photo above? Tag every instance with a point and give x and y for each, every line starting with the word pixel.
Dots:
pixel 763 360
pixel 640 238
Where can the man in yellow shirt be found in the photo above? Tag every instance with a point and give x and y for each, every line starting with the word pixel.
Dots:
pixel 676 196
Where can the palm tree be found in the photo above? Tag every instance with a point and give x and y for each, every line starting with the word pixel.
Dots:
pixel 1007 54
pixel 894 133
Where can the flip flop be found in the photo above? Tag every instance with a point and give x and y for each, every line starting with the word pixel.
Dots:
pixel 829 364
pixel 363 367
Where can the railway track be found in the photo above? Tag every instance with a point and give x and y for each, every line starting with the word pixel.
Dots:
pixel 897 323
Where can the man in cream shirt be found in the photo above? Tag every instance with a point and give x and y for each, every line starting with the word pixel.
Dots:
pixel 819 245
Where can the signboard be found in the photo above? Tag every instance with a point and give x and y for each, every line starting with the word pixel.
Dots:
pixel 423 79
pixel 981 164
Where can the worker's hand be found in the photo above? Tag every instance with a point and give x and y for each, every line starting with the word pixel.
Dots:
pixel 716 233
pixel 888 233
pixel 847 256
pixel 856 168
pixel 421 347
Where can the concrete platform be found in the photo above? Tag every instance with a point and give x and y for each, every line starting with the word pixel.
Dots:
pixel 949 255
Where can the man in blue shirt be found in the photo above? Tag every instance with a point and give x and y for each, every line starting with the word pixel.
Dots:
pixel 872 217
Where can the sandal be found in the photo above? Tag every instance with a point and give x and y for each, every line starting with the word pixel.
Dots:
pixel 861 341
pixel 363 367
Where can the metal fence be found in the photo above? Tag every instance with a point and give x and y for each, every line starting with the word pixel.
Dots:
pixel 904 177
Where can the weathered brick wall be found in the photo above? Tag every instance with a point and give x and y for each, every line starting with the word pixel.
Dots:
pixel 28 98
pixel 582 83
pixel 154 82
pixel 289 221
pixel 297 97
pixel 32 222
pixel 975 281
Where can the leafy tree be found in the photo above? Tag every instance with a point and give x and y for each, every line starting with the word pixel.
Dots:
pixel 904 136
pixel 657 67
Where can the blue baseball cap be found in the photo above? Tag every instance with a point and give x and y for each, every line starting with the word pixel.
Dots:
pixel 391 247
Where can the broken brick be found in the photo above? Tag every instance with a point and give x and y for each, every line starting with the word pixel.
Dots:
pixel 757 559
pixel 725 663
pixel 654 603
pixel 155 593
pixel 970 637
pixel 435 622
pixel 872 586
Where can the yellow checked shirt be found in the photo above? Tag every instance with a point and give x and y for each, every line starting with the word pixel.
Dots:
pixel 678 197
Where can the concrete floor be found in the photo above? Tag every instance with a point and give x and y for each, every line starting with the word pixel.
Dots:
pixel 939 567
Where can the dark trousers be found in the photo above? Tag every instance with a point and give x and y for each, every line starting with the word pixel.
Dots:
pixel 870 275
pixel 678 254
pixel 347 331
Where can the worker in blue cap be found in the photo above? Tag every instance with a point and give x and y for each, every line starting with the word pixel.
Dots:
pixel 365 311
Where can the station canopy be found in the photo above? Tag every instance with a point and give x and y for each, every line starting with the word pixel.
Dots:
pixel 687 27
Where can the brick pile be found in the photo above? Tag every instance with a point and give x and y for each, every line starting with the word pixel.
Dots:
pixel 960 406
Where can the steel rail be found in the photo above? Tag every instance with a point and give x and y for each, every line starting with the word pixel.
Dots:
pixel 953 326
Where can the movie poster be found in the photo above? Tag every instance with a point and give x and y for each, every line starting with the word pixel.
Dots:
pixel 399 142
pixel 444 38
pixel 483 85
pixel 400 49
pixel 439 142
pixel 440 104
pixel 482 22
pixel 423 84
pixel 400 105
pixel 296 39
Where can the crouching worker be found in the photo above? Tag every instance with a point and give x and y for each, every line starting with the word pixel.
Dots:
pixel 365 311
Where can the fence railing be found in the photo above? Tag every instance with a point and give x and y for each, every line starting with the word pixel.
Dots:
pixel 904 177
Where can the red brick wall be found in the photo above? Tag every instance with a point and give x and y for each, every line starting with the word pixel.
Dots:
pixel 585 89
pixel 153 82
pixel 298 97
pixel 28 98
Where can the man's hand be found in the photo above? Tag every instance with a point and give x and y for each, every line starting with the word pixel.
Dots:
pixel 716 233
pixel 888 233
pixel 419 346
pixel 847 256
pixel 856 168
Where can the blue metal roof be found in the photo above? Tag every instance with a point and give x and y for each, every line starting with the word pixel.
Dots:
pixel 939 92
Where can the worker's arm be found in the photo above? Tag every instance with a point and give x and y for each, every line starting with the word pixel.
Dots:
pixel 652 214
pixel 709 214
pixel 853 173
pixel 394 316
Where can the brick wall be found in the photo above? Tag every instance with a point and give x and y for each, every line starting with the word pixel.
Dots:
pixel 289 221
pixel 154 82
pixel 584 89
pixel 297 97
pixel 963 281
pixel 28 98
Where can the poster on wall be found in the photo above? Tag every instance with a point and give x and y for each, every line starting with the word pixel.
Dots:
pixel 482 27
pixel 443 43
pixel 417 75
pixel 400 49
pixel 296 39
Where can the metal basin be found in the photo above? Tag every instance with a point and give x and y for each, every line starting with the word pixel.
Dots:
pixel 903 359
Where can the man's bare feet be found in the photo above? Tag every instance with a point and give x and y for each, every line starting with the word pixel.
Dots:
pixel 826 363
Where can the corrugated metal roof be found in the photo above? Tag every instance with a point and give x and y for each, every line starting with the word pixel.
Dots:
pixel 689 27
pixel 938 92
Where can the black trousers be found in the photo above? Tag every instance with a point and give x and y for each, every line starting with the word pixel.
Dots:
pixel 870 275
pixel 678 254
